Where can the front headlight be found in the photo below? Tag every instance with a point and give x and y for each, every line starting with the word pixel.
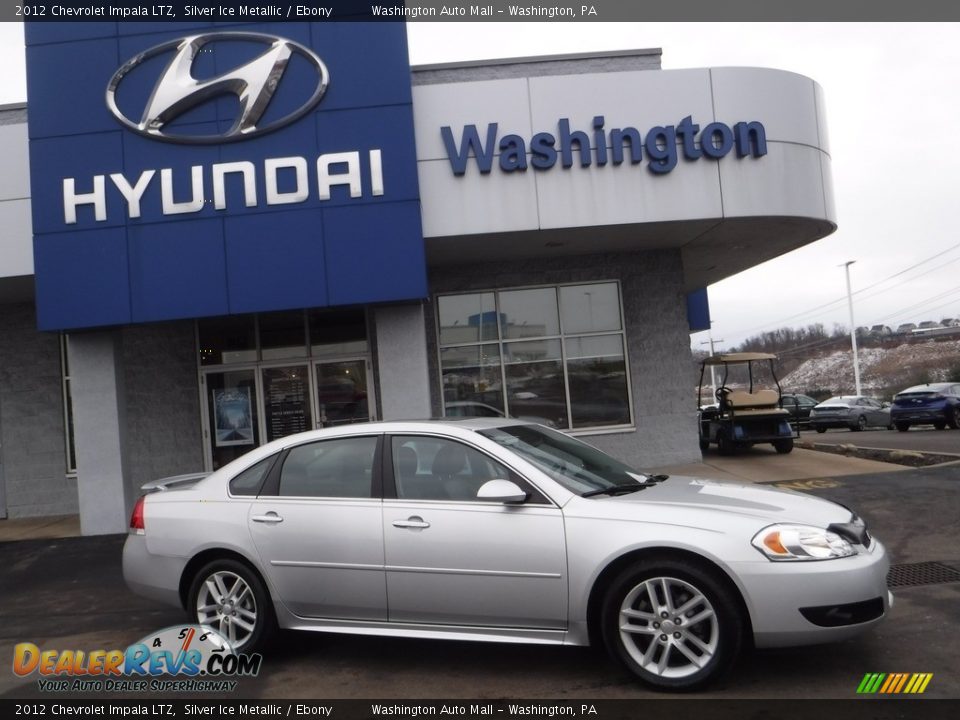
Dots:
pixel 800 542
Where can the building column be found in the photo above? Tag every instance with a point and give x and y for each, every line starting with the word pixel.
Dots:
pixel 97 390
pixel 402 362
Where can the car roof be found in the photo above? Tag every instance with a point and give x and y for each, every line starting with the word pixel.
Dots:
pixel 928 387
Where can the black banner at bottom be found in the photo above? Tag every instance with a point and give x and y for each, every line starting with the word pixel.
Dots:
pixel 873 708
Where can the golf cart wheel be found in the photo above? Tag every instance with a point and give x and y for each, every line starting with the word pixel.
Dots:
pixel 725 446
pixel 704 444
pixel 783 446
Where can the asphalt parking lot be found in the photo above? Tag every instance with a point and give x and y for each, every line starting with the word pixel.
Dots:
pixel 920 439
pixel 69 594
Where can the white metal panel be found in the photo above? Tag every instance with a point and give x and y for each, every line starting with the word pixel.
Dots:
pixel 15 178
pixel 16 240
pixel 782 101
pixel 826 173
pixel 643 99
pixel 628 194
pixel 475 203
pixel 786 182
pixel 505 102
pixel 822 117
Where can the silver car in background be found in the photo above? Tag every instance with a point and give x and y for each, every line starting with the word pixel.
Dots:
pixel 500 530
pixel 854 412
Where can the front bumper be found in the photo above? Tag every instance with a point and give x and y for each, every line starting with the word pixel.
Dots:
pixel 777 591
pixel 836 421
pixel 918 415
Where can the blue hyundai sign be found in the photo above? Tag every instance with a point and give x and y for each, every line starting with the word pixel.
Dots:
pixel 188 170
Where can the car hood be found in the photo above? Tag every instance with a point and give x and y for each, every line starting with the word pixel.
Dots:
pixel 720 498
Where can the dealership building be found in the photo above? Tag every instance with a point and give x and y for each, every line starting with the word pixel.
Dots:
pixel 214 236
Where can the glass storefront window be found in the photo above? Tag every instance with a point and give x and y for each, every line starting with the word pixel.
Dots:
pixel 535 382
pixel 283 335
pixel 338 332
pixel 467 318
pixel 560 352
pixel 597 374
pixel 472 381
pixel 226 340
pixel 529 313
pixel 590 308
pixel 286 401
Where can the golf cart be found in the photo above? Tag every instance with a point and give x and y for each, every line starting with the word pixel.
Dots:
pixel 741 418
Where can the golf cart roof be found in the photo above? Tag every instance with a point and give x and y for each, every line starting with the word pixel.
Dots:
pixel 742 357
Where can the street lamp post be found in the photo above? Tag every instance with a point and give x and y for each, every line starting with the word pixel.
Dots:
pixel 853 329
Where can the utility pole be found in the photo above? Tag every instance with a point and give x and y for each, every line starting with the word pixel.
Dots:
pixel 713 372
pixel 853 328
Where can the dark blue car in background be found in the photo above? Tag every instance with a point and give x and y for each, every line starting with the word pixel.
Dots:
pixel 936 404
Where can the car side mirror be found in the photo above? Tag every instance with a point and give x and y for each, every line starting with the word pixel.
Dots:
pixel 504 491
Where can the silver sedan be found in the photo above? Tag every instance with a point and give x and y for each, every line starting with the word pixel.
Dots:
pixel 505 531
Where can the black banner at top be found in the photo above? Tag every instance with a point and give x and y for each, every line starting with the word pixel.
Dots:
pixel 231 11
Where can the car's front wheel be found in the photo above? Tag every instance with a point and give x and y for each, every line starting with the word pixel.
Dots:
pixel 821 430
pixel 902 426
pixel 674 624
pixel 860 425
pixel 229 597
pixel 954 417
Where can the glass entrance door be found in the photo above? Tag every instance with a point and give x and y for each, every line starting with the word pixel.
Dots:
pixel 286 401
pixel 343 392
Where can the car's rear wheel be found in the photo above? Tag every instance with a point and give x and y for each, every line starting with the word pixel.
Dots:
pixel 229 597
pixel 674 624
pixel 783 446
pixel 902 426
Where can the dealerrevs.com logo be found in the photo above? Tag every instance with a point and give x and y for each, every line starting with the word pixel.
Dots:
pixel 203 656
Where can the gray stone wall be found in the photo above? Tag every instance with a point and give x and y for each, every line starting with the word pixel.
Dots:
pixel 32 449
pixel 163 433
pixel 658 342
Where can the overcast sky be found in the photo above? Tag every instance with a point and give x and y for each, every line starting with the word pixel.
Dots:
pixel 892 92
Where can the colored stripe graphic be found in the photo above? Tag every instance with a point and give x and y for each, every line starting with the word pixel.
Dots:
pixel 894 683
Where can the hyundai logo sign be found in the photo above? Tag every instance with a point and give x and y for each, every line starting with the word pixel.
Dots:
pixel 178 91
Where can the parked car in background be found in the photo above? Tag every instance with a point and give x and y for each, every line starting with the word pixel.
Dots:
pixel 799 407
pixel 856 412
pixel 936 404
pixel 494 529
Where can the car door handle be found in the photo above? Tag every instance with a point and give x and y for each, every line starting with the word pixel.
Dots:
pixel 270 517
pixel 412 522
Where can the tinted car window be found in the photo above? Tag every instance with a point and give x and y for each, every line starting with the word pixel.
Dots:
pixel 249 481
pixel 342 467
pixel 432 468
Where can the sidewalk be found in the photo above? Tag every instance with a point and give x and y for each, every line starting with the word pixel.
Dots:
pixel 759 464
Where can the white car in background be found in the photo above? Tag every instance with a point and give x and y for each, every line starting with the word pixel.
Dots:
pixel 500 530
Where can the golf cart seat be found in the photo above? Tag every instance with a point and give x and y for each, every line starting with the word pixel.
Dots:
pixel 760 402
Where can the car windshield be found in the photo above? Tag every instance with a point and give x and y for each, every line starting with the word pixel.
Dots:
pixel 577 466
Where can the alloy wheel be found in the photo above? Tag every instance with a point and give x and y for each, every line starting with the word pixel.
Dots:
pixel 669 627
pixel 226 603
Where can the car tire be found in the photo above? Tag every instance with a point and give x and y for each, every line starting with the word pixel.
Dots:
pixel 225 591
pixel 954 418
pixel 661 652
pixel 860 426
pixel 783 446
pixel 940 424
pixel 902 426
pixel 821 430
